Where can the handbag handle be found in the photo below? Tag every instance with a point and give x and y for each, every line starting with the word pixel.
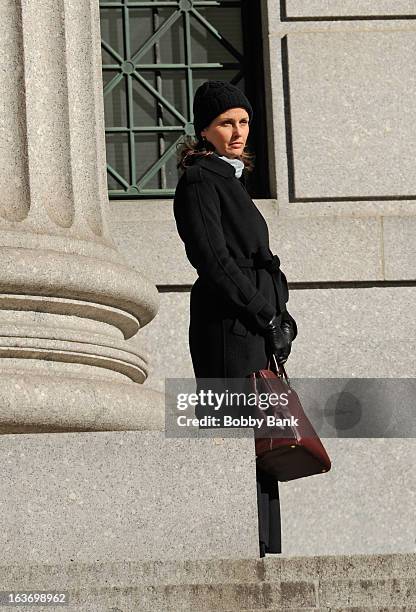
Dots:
pixel 279 369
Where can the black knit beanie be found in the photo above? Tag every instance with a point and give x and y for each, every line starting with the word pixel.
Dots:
pixel 213 98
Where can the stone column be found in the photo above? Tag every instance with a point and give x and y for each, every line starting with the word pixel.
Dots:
pixel 69 303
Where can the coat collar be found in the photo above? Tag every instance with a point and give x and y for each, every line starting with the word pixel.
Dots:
pixel 215 164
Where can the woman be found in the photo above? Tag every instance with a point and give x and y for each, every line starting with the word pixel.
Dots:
pixel 238 315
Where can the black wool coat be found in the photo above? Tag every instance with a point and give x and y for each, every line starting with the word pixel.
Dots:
pixel 240 285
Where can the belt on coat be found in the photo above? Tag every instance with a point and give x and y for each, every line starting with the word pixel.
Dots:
pixel 271 264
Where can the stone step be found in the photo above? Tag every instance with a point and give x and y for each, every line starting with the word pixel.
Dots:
pixel 236 597
pixel 358 582
pixel 253 596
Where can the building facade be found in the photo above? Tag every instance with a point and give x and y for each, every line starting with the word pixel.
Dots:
pixel 95 97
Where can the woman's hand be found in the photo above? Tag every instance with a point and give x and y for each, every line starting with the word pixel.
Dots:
pixel 279 339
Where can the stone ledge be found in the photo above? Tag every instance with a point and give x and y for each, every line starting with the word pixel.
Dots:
pixel 271 568
pixel 161 210
pixel 313 240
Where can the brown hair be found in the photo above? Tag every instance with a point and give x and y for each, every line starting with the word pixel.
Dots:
pixel 190 147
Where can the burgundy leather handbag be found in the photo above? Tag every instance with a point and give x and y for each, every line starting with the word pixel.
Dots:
pixel 287 447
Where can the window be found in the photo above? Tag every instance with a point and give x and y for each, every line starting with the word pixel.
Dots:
pixel 155 55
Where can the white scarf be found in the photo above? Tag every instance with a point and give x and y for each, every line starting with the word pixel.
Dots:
pixel 237 163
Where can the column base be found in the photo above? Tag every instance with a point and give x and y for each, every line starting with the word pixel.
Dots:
pixel 31 403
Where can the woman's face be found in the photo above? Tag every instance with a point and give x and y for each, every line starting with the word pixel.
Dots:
pixel 228 132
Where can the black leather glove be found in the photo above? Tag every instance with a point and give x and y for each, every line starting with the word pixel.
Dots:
pixel 288 325
pixel 288 331
pixel 278 340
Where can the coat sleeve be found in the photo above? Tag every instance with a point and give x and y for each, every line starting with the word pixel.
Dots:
pixel 197 214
